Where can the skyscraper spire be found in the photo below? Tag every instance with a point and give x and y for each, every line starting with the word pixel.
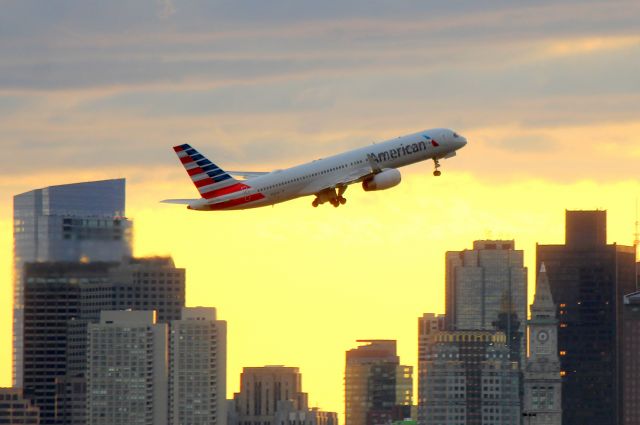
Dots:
pixel 543 301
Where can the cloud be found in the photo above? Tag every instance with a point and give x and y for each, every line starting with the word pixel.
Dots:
pixel 280 88
pixel 128 45
pixel 166 8
pixel 525 143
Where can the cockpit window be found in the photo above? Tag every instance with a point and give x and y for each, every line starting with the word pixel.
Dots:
pixel 456 135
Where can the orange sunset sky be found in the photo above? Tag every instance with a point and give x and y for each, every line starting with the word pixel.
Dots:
pixel 547 94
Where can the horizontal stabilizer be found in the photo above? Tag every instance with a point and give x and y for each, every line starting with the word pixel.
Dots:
pixel 248 174
pixel 179 201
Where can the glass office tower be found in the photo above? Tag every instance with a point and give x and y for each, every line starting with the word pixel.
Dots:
pixel 73 222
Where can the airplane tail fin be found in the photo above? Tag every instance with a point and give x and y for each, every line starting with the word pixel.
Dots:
pixel 210 180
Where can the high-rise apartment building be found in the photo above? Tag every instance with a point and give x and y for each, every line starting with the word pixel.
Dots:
pixel 15 409
pixel 471 380
pixel 542 383
pixel 428 327
pixel 630 359
pixel 197 368
pixel 127 369
pixel 73 222
pixel 486 289
pixel 378 389
pixel 588 280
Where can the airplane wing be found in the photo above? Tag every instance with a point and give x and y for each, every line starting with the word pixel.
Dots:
pixel 351 178
pixel 248 174
pixel 355 177
pixel 360 174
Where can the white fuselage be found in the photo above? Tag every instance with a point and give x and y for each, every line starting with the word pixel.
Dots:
pixel 315 176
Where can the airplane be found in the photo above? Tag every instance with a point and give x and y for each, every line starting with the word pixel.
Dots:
pixel 375 166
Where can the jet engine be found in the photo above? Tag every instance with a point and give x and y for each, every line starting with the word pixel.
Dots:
pixel 384 180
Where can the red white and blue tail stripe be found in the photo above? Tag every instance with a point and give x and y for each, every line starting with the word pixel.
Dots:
pixel 210 180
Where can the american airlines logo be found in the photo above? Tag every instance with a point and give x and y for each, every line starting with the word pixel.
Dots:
pixel 405 150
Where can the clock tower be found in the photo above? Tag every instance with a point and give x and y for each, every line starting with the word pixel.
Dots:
pixel 542 381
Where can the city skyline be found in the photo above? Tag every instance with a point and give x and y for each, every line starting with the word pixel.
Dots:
pixel 546 94
pixel 394 332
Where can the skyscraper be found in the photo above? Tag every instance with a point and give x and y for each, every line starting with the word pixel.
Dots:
pixel 471 380
pixel 630 359
pixel 51 302
pixel 73 222
pixel 127 380
pixel 588 280
pixel 542 382
pixel 377 388
pixel 428 327
pixel 486 289
pixel 197 368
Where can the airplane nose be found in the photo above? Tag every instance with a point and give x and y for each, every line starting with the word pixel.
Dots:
pixel 462 141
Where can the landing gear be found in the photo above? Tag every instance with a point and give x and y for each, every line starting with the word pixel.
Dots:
pixel 333 196
pixel 436 163
pixel 341 199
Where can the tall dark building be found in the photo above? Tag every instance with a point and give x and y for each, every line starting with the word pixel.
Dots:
pixel 630 359
pixel 588 280
pixel 378 390
pixel 51 302
pixel 61 299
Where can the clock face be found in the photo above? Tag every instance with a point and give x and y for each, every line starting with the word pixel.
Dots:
pixel 543 336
